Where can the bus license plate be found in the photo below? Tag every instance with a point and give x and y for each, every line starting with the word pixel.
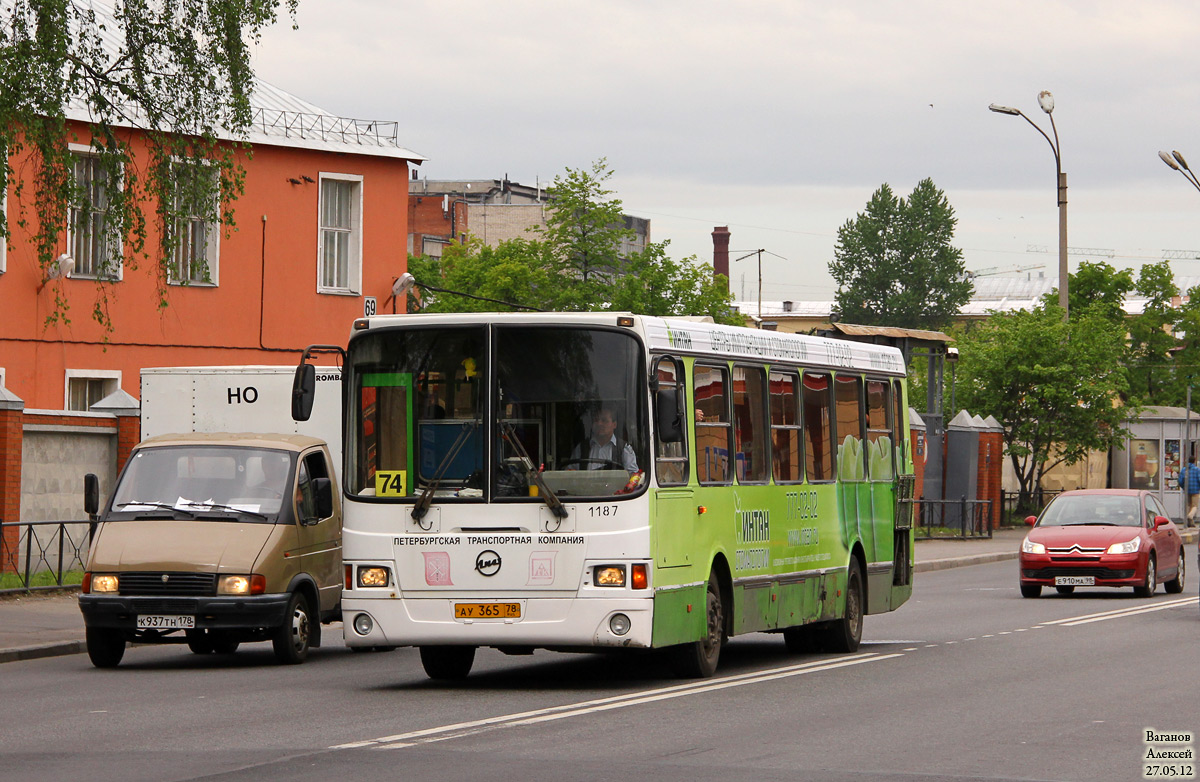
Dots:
pixel 1074 581
pixel 166 622
pixel 487 610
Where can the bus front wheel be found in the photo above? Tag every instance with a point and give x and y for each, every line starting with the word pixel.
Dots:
pixel 447 662
pixel 698 660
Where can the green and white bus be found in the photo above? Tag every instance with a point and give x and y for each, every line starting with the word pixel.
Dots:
pixel 579 481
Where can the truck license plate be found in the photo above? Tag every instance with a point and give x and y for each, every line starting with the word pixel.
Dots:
pixel 166 622
pixel 1074 581
pixel 487 610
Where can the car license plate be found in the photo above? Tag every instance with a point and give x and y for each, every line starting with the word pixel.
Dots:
pixel 487 610
pixel 166 622
pixel 1074 581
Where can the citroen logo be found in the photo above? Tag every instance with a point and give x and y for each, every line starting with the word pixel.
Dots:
pixel 487 563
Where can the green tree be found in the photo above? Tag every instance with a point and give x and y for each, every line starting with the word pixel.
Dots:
pixel 894 264
pixel 1099 288
pixel 1151 334
pixel 175 76
pixel 1053 386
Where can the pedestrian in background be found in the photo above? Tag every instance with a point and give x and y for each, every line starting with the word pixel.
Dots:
pixel 1191 486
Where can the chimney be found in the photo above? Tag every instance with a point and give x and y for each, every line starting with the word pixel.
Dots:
pixel 720 237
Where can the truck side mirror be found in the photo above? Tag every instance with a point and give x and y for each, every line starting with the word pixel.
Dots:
pixel 323 493
pixel 91 494
pixel 304 391
pixel 668 420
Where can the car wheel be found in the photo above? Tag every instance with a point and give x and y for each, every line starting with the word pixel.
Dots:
pixel 1064 590
pixel 291 639
pixel 845 634
pixel 105 646
pixel 698 659
pixel 224 643
pixel 1175 585
pixel 447 662
pixel 1151 580
pixel 1031 590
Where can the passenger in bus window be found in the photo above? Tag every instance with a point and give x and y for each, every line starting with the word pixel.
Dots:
pixel 603 450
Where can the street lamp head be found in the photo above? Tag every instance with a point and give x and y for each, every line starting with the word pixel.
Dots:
pixel 1179 159
pixel 1166 158
pixel 1004 110
pixel 1046 101
pixel 403 284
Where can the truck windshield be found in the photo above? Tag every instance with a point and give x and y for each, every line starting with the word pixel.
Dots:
pixel 198 482
pixel 506 412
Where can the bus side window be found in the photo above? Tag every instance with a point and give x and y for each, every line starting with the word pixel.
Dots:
pixel 710 386
pixel 750 426
pixel 818 427
pixel 671 454
pixel 786 455
pixel 879 433
pixel 850 447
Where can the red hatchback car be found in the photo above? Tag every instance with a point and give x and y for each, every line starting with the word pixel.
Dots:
pixel 1102 537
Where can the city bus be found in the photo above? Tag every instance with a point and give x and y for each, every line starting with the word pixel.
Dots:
pixel 592 481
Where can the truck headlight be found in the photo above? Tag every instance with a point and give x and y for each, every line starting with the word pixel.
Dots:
pixel 107 583
pixel 242 585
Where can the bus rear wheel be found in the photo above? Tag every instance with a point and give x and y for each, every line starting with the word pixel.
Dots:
pixel 845 634
pixel 447 662
pixel 698 660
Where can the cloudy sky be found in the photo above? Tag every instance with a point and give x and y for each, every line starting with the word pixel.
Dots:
pixel 780 118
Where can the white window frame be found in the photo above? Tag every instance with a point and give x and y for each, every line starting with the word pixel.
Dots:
pixel 2 378
pixel 213 229
pixel 354 250
pixel 86 374
pixel 78 151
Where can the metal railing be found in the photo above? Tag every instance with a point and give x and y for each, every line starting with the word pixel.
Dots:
pixel 961 518
pixel 1010 504
pixel 53 548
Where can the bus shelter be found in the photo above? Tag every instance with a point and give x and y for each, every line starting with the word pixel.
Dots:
pixel 1154 453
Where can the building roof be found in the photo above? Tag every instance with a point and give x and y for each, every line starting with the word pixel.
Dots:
pixel 279 118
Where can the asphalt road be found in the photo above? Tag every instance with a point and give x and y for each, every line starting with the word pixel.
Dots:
pixel 968 681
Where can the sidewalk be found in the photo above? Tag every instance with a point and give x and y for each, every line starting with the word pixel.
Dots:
pixel 49 624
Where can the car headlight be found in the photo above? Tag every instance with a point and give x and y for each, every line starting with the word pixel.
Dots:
pixel 1029 547
pixel 242 585
pixel 1128 547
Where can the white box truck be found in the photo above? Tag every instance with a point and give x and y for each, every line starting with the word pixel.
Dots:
pixel 225 525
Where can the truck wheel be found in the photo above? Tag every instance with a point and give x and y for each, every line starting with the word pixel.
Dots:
pixel 845 634
pixel 199 641
pixel 224 642
pixel 447 662
pixel 105 646
pixel 291 639
pixel 698 660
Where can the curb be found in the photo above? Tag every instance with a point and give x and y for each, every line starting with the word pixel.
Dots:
pixel 42 650
pixel 952 562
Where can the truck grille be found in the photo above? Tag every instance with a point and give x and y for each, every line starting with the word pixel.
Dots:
pixel 132 584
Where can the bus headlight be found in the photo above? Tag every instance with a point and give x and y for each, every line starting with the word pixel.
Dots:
pixel 609 576
pixel 373 577
pixel 619 624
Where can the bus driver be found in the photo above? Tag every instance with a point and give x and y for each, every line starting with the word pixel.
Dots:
pixel 603 450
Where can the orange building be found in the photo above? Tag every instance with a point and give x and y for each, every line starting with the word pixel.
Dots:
pixel 321 229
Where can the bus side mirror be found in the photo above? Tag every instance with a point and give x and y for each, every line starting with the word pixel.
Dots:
pixel 304 391
pixel 669 422
pixel 91 494
pixel 323 492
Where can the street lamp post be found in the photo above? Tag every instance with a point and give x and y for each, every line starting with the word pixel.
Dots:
pixel 1046 101
pixel 1175 160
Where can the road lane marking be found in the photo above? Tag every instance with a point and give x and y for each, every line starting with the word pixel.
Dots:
pixel 460 729
pixel 1117 613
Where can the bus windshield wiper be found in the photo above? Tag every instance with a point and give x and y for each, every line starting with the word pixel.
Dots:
pixel 556 506
pixel 422 506
pixel 150 504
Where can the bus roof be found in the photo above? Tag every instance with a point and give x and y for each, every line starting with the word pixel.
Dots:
pixel 686 336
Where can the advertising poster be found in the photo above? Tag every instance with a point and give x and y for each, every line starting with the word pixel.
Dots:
pixel 1143 464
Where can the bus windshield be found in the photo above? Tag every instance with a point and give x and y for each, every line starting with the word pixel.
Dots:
pixel 481 413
